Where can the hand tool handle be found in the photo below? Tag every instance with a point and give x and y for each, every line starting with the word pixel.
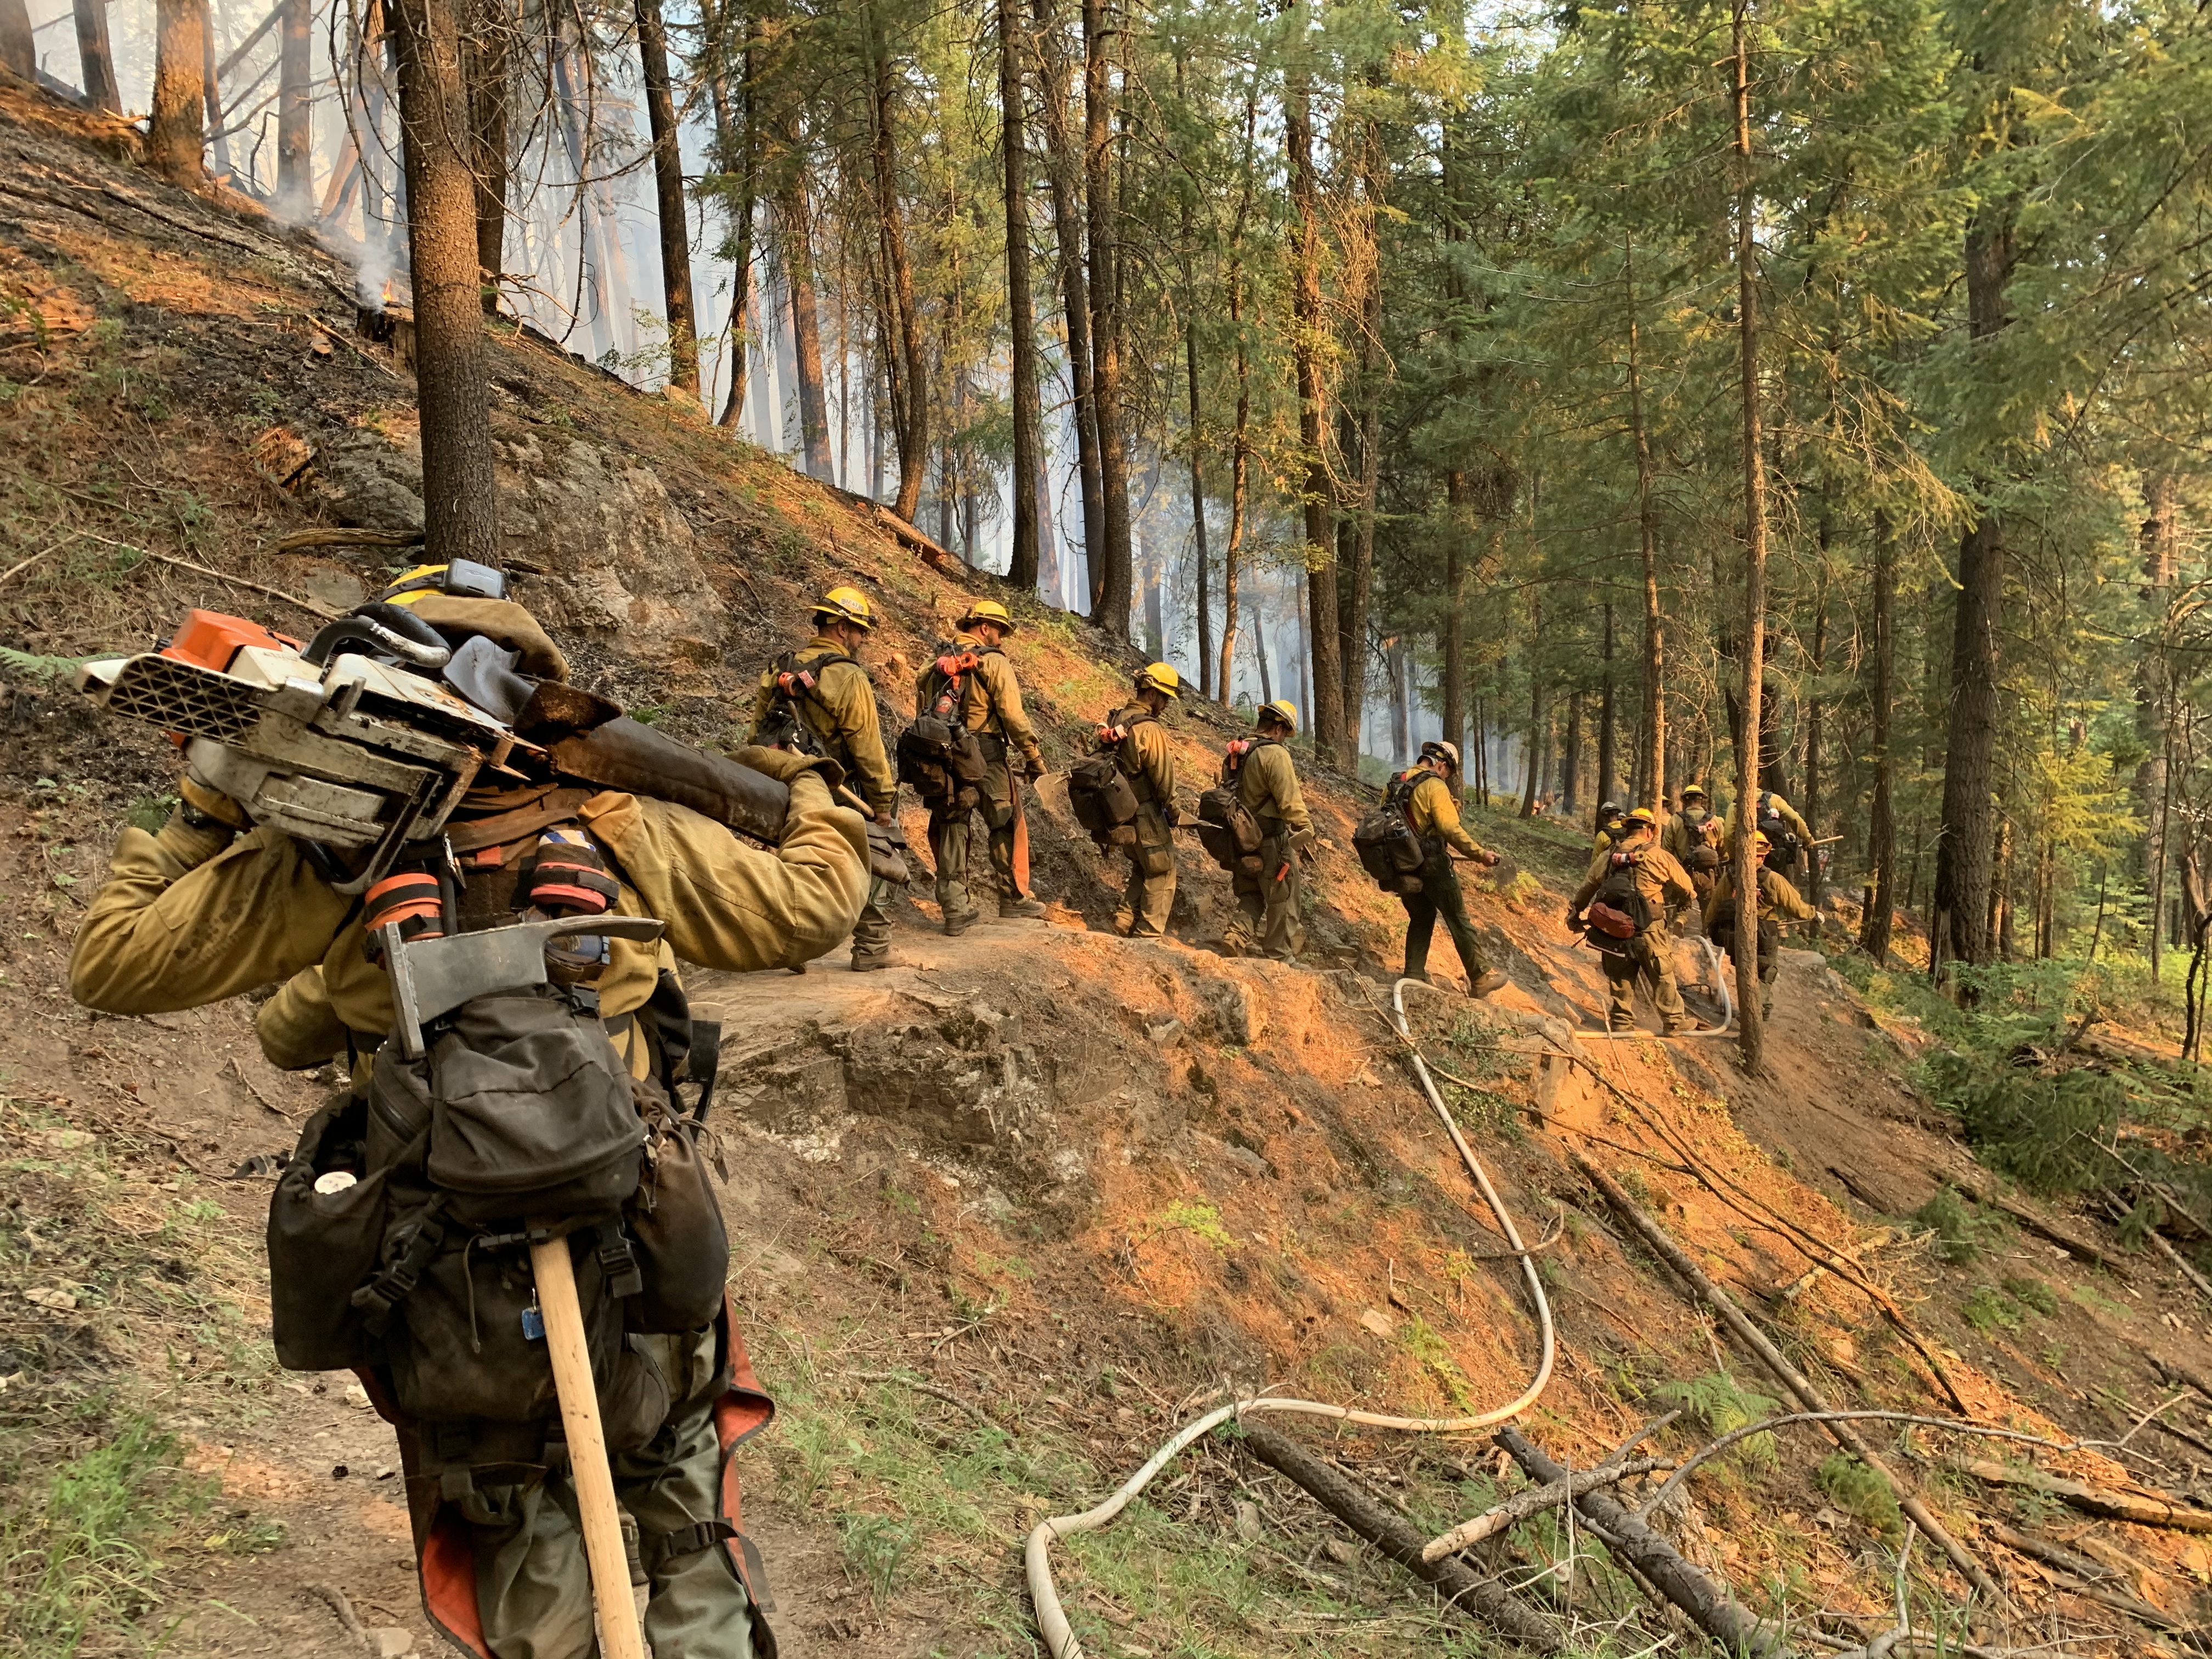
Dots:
pixel 619 1635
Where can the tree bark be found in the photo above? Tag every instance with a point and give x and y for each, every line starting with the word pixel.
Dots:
pixel 1355 597
pixel 738 152
pixel 19 47
pixel 1651 741
pixel 1958 922
pixel 903 358
pixel 95 56
pixel 487 53
pixel 1755 552
pixel 795 223
pixel 1111 569
pixel 1882 826
pixel 668 192
pixel 176 130
pixel 295 154
pixel 1021 316
pixel 1328 669
pixel 1606 756
pixel 1814 707
pixel 460 488
pixel 1453 646
pixel 1074 286
pixel 1532 769
pixel 2161 542
pixel 1260 653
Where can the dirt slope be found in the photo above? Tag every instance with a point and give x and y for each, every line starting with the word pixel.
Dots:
pixel 1079 1183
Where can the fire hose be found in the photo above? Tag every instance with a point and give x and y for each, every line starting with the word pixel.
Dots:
pixel 1052 1620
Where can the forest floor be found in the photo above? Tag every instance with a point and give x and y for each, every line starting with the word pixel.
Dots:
pixel 1079 1187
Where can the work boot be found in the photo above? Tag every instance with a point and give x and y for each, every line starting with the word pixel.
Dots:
pixel 870 963
pixel 1024 906
pixel 1491 981
pixel 957 923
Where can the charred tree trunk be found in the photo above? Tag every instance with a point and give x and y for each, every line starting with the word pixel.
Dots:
pixel 1355 597
pixel 668 193
pixel 1060 173
pixel 1021 316
pixel 176 130
pixel 1260 654
pixel 1241 425
pixel 1881 899
pixel 19 47
pixel 1328 669
pixel 1651 738
pixel 95 56
pixel 1814 708
pixel 486 53
pixel 1748 1000
pixel 738 152
pixel 1453 646
pixel 794 224
pixel 460 489
pixel 1605 725
pixel 1959 918
pixel 903 355
pixel 1111 571
pixel 296 139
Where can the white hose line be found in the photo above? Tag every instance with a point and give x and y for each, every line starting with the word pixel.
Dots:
pixel 1037 1555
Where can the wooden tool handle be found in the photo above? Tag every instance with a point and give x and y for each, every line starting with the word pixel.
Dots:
pixel 619 1635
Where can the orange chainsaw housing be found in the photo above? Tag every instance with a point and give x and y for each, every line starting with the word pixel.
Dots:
pixel 208 639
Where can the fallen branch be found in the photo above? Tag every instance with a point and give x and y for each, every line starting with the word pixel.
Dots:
pixel 1710 1604
pixel 1475 1597
pixel 1535 1501
pixel 2144 1510
pixel 18 569
pixel 334 1598
pixel 2080 1249
pixel 341 536
pixel 2089 1577
pixel 932 1389
pixel 2118 1210
pixel 1791 1378
pixel 308 605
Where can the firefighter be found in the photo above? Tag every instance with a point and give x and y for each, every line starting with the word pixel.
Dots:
pixel 1140 750
pixel 1636 881
pixel 212 905
pixel 820 699
pixel 1430 793
pixel 1777 898
pixel 1693 835
pixel 1261 770
pixel 1605 826
pixel 990 706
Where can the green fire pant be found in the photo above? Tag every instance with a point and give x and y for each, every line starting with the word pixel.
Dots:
pixel 1439 896
pixel 951 834
pixel 1143 913
pixel 1653 964
pixel 1269 902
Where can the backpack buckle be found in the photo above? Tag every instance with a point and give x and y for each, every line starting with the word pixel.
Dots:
pixel 619 1264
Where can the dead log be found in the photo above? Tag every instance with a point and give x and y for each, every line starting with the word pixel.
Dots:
pixel 1475 1597
pixel 2080 1249
pixel 1791 1378
pixel 2093 1580
pixel 1710 1603
pixel 2143 1509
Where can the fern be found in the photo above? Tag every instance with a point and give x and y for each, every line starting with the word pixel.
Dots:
pixel 34 666
pixel 1717 1403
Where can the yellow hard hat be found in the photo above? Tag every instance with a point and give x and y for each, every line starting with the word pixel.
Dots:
pixel 1690 789
pixel 1446 752
pixel 1159 676
pixel 1643 816
pixel 463 579
pixel 989 610
pixel 1282 709
pixel 847 604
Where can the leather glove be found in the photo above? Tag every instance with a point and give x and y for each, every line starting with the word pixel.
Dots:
pixel 1036 767
pixel 785 764
pixel 212 804
pixel 1574 922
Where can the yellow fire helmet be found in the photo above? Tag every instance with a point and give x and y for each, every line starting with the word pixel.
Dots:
pixel 1159 676
pixel 989 610
pixel 1694 792
pixel 847 604
pixel 1447 752
pixel 1641 818
pixel 1281 710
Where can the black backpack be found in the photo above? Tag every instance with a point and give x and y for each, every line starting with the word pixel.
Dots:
pixel 1388 849
pixel 1720 928
pixel 791 683
pixel 1101 791
pixel 1618 914
pixel 1782 841
pixel 938 758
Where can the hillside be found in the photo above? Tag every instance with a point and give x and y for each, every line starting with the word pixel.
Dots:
pixel 1006 1215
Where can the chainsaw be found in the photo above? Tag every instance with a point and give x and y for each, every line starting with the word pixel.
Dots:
pixel 363 740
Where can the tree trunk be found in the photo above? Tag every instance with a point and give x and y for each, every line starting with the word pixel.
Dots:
pixel 1240 428
pixel 95 56
pixel 1957 923
pixel 1605 726
pixel 295 153
pixel 1401 715
pixel 903 355
pixel 1532 762
pixel 19 47
pixel 1060 173
pixel 1328 669
pixel 1111 570
pixel 738 152
pixel 485 53
pixel 1651 741
pixel 1570 754
pixel 1814 710
pixel 1021 317
pixel 668 191
pixel 2160 543
pixel 176 131
pixel 1355 597
pixel 1198 516
pixel 794 226
pixel 460 489
pixel 1453 647
pixel 1882 826
pixel 1748 1015
pixel 1260 652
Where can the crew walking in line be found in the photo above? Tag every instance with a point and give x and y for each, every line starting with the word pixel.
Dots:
pixel 986 700
pixel 1261 772
pixel 1777 898
pixel 1627 894
pixel 1693 836
pixel 1427 792
pixel 819 700
pixel 1139 746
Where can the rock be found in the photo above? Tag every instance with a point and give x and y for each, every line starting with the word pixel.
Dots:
pixel 357 1397
pixel 364 479
pixel 1249 1527
pixel 53 1300
pixel 390 1641
pixel 1167 1031
pixel 1379 1324
pixel 1342 1551
pixel 1236 1010
pixel 68 1140
pixel 341 590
